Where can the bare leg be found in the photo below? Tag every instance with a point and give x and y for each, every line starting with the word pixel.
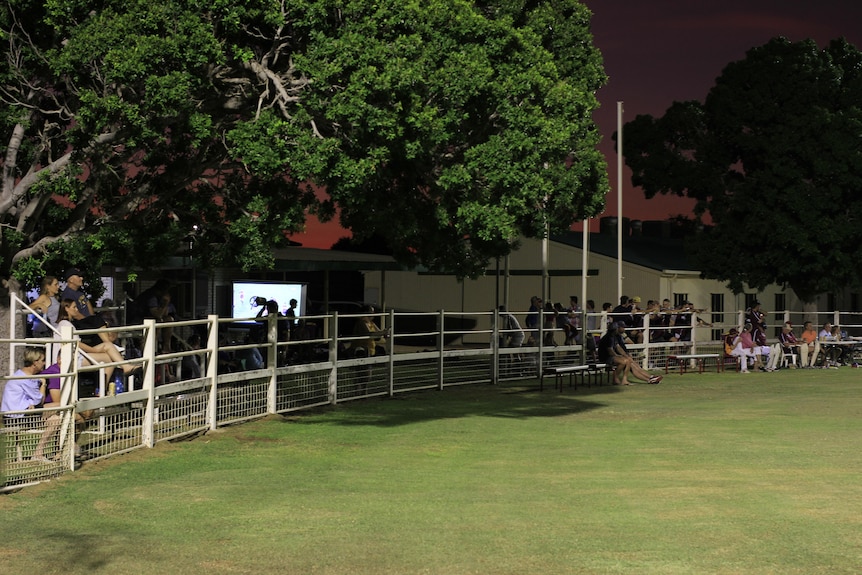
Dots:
pixel 52 424
pixel 639 372
pixel 619 372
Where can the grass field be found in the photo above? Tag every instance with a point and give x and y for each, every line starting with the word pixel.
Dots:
pixel 756 473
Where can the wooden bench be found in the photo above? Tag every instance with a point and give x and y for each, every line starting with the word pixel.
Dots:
pixel 700 360
pixel 583 371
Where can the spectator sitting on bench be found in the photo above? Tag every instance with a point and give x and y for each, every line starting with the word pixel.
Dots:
pixel 53 420
pixel 98 347
pixel 26 391
pixel 612 349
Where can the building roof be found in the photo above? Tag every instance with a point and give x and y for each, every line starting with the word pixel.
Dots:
pixel 313 259
pixel 656 253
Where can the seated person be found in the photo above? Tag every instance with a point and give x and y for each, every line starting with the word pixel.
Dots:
pixel 25 391
pixel 612 350
pixel 191 364
pixel 53 420
pixel 250 358
pixel 745 348
pixel 98 347
pixel 831 334
pixel 790 344
pixel 812 343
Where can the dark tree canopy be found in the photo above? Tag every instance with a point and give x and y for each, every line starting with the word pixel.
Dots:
pixel 774 155
pixel 449 128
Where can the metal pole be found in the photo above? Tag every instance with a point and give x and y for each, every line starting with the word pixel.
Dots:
pixel 584 272
pixel 619 200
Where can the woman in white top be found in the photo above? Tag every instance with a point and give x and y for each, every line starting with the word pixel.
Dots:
pixel 101 352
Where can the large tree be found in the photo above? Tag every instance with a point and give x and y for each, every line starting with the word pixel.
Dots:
pixel 774 156
pixel 448 127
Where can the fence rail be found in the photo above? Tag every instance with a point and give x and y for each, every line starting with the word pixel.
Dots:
pixel 168 400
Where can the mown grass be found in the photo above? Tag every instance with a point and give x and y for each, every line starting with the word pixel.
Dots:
pixel 709 473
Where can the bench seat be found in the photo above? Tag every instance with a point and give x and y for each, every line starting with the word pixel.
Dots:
pixel 701 360
pixel 583 371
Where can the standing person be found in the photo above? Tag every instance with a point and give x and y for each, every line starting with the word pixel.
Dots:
pixel 511 333
pixel 155 303
pixel 575 316
pixel 623 312
pixel 371 334
pixel 532 322
pixel 47 305
pixel 291 315
pixel 72 291
pixel 756 316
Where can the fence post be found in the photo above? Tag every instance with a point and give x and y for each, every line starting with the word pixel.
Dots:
pixel 272 362
pixel 68 388
pixel 391 353
pixel 647 339
pixel 333 358
pixel 212 371
pixel 441 344
pixel 495 346
pixel 149 353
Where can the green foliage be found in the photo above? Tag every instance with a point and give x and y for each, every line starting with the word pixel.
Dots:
pixel 449 128
pixel 773 155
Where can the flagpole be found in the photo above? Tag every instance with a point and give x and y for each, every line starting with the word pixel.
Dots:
pixel 619 200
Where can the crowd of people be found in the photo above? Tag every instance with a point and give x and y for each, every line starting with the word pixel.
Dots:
pixel 823 348
pixel 658 321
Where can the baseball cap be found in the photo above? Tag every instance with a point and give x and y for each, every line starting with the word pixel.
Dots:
pixel 72 272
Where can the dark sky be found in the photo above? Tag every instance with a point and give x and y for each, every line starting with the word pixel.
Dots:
pixel 660 51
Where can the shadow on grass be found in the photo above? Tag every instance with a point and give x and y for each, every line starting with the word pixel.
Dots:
pixel 519 401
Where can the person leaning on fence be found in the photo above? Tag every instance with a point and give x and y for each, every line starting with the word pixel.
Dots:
pixel 365 327
pixel 511 333
pixel 47 305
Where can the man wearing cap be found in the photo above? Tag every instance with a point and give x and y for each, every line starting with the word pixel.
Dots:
pixel 612 350
pixel 72 291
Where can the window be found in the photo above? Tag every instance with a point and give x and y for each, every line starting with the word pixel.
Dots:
pixel 780 306
pixel 716 304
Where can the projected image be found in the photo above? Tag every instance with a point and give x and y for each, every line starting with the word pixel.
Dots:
pixel 249 298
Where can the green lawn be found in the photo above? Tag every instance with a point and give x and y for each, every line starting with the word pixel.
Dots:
pixel 730 473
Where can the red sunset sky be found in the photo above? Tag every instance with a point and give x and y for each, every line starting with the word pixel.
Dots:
pixel 660 51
